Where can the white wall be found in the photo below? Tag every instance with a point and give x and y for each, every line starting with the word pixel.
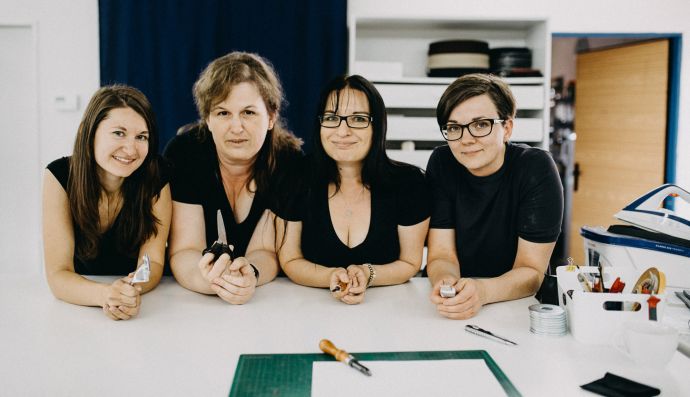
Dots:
pixel 583 16
pixel 66 40
pixel 68 64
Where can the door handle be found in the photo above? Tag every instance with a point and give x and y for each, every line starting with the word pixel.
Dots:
pixel 576 176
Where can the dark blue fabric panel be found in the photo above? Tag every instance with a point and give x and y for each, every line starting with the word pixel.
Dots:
pixel 161 46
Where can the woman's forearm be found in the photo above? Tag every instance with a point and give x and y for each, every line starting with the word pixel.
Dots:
pixel 184 265
pixel 74 288
pixel 266 263
pixel 393 273
pixel 303 272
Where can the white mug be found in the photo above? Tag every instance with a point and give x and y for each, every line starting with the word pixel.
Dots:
pixel 647 343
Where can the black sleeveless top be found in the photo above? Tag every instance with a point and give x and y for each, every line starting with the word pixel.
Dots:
pixel 110 260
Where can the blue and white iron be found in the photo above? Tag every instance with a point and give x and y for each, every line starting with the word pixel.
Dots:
pixel 647 213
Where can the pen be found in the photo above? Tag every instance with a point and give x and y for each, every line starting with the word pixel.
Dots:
pixel 473 329
pixel 344 357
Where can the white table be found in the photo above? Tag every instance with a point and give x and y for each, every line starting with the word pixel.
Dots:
pixel 187 344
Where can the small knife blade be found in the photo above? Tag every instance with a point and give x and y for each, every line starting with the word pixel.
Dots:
pixel 222 237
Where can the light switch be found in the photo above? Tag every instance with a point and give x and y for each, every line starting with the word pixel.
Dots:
pixel 66 102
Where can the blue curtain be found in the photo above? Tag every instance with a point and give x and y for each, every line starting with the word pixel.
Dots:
pixel 161 46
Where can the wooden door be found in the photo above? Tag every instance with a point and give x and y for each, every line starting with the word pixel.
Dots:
pixel 620 121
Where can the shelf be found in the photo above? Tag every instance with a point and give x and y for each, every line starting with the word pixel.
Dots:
pixel 447 80
pixel 393 53
pixel 426 96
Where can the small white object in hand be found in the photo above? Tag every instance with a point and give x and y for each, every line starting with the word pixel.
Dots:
pixel 143 272
pixel 447 291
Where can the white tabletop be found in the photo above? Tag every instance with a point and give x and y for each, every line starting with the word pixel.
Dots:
pixel 187 344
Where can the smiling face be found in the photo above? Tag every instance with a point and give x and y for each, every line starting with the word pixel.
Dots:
pixel 239 124
pixel 481 156
pixel 345 144
pixel 121 143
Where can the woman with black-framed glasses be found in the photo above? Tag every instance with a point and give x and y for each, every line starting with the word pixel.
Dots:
pixel 362 218
pixel 497 205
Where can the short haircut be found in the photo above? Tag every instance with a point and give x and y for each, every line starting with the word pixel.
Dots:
pixel 472 85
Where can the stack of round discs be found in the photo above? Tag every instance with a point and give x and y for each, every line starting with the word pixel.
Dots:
pixel 512 62
pixel 547 320
pixel 454 58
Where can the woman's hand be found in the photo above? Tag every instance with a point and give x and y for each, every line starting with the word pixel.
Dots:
pixel 359 274
pixel 467 302
pixel 237 284
pixel 211 270
pixel 122 300
pixel 339 283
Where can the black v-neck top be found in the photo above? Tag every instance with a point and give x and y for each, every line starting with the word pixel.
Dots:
pixel 402 201
pixel 196 180
pixel 110 259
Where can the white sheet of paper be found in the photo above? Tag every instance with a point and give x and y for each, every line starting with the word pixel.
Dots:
pixel 405 378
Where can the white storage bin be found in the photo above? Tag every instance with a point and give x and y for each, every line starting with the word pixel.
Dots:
pixel 588 320
pixel 401 128
pixel 377 70
pixel 529 96
pixel 419 96
pixel 527 130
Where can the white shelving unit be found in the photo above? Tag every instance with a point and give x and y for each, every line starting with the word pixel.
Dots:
pixel 392 53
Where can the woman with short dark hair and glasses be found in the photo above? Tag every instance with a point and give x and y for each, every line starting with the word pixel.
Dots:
pixel 363 218
pixel 497 205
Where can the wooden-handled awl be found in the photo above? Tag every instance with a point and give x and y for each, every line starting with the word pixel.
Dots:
pixel 328 347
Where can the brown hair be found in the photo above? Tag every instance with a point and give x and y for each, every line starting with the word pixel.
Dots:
pixel 137 221
pixel 472 85
pixel 214 85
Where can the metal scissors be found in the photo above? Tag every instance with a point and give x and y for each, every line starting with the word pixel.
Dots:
pixel 220 246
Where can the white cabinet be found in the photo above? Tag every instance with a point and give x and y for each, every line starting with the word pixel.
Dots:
pixel 392 53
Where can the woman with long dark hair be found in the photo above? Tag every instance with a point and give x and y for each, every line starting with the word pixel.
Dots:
pixel 107 205
pixel 233 162
pixel 363 218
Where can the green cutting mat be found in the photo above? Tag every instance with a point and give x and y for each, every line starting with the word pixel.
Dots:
pixel 290 374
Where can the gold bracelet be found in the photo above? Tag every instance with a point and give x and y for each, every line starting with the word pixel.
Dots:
pixel 372 274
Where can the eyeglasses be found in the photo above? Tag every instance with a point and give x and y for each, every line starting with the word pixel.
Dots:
pixel 352 121
pixel 477 128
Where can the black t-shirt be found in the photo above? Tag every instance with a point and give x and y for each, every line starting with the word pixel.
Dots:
pixel 523 199
pixel 110 259
pixel 402 200
pixel 196 180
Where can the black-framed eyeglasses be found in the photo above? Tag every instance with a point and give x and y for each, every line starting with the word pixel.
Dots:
pixel 477 128
pixel 352 121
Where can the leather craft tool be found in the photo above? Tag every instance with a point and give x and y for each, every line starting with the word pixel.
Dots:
pixel 344 357
pixel 473 329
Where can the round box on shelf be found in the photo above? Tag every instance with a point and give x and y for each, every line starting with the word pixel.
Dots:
pixel 454 58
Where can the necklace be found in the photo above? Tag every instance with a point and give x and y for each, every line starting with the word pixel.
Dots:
pixel 350 204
